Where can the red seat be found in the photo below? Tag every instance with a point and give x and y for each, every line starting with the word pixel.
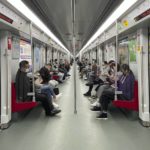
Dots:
pixel 20 106
pixel 132 104
pixel 55 77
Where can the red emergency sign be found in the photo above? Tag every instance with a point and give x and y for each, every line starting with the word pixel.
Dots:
pixel 9 43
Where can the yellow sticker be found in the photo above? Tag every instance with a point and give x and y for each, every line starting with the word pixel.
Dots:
pixel 139 48
pixel 126 23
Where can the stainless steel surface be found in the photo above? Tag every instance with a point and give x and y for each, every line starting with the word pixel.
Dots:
pixel 89 15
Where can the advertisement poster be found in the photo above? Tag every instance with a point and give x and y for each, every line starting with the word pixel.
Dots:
pixel 16 48
pixel 25 51
pixel 132 50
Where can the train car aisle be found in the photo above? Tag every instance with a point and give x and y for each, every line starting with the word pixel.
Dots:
pixel 67 131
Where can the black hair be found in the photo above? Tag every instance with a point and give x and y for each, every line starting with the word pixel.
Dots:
pixel 111 61
pixel 118 67
pixel 23 63
pixel 44 73
pixel 105 62
pixel 126 67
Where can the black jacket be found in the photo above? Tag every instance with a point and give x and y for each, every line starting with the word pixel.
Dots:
pixel 22 86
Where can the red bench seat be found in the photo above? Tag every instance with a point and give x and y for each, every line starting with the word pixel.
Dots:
pixel 20 106
pixel 132 104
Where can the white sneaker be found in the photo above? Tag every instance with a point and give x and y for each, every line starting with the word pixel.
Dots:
pixel 58 96
pixel 55 105
pixel 95 104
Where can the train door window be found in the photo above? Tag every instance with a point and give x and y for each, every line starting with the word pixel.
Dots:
pixel 132 54
pixel 123 52
pixel 111 52
pixel 132 50
pixel 25 52
pixel 36 57
pixel 105 58
pixel 42 56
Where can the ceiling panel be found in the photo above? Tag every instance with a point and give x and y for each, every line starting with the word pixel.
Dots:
pixel 57 15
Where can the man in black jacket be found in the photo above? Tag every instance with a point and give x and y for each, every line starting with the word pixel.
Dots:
pixel 23 82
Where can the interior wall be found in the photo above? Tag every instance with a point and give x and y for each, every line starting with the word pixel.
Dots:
pixel 15 56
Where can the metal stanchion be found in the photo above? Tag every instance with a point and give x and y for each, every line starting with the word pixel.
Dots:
pixel 75 92
pixel 32 56
pixel 116 60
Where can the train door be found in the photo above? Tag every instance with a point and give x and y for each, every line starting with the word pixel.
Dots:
pixel 5 78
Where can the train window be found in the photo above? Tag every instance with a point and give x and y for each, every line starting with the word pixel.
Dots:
pixel 123 53
pixel 42 57
pixel 36 58
pixel 25 51
pixel 132 50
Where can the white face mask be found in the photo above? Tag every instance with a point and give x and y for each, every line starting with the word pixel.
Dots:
pixel 27 70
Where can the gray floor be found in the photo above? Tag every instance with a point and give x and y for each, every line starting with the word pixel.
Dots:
pixel 75 132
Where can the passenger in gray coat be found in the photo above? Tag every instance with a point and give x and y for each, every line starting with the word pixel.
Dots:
pixel 22 82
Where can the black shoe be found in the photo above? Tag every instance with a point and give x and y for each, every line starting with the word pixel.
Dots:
pixel 87 94
pixel 102 116
pixel 89 84
pixel 53 112
pixel 96 108
pixel 60 81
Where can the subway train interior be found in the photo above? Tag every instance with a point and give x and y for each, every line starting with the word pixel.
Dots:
pixel 74 74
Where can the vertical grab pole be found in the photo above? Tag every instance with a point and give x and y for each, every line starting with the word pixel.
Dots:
pixel 32 56
pixel 116 59
pixel 75 92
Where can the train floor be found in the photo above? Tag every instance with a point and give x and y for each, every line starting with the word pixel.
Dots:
pixel 68 131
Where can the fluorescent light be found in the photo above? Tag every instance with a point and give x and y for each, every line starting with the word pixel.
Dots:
pixel 124 6
pixel 19 5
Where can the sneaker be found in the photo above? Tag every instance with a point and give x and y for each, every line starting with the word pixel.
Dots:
pixel 102 116
pixel 87 94
pixel 55 111
pixel 96 108
pixel 94 104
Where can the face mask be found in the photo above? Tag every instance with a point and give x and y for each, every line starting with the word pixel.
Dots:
pixel 27 70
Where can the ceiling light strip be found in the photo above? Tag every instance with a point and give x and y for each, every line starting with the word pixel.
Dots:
pixel 123 7
pixel 19 5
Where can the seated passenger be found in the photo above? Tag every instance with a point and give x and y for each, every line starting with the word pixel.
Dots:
pixel 48 91
pixel 125 85
pixel 22 82
pixel 93 79
pixel 107 86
